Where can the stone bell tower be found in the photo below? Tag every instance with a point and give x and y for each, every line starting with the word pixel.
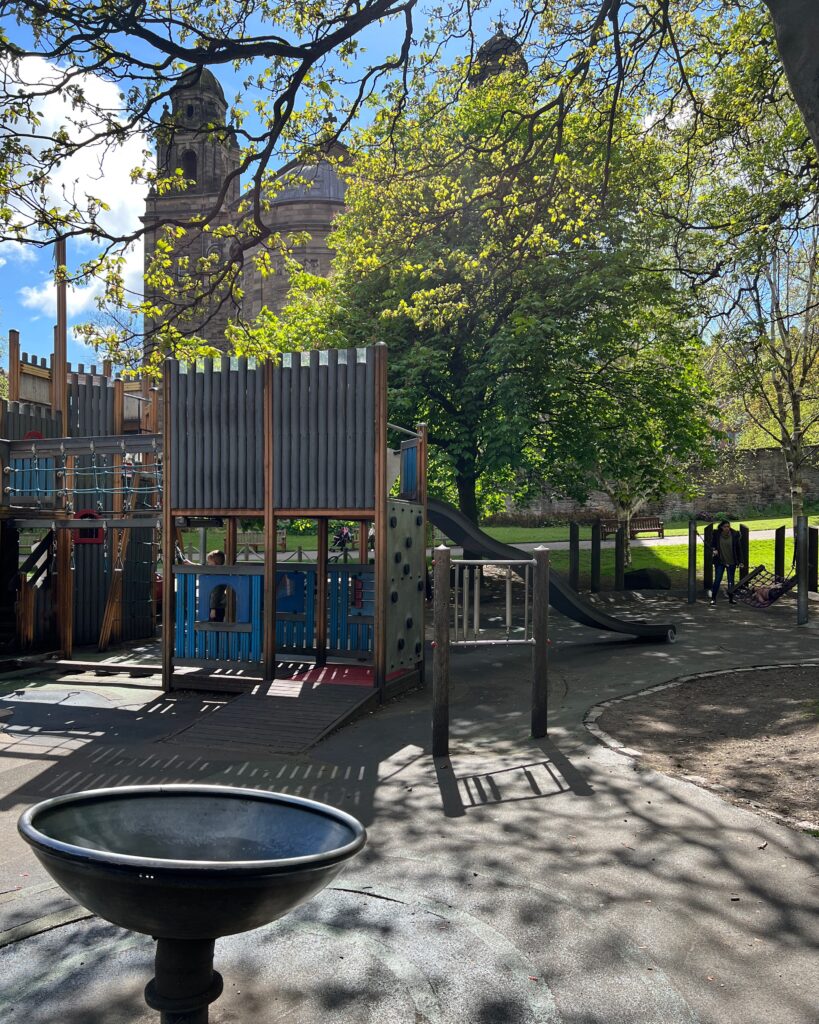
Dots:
pixel 194 139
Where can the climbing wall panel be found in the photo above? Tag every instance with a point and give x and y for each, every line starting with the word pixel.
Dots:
pixel 406 568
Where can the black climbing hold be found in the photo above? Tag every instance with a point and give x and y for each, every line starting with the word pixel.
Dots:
pixel 398 557
pixel 393 521
pixel 420 584
pixel 417 646
pixel 401 644
pixel 409 622
pixel 419 520
pixel 394 597
pixel 408 542
pixel 407 569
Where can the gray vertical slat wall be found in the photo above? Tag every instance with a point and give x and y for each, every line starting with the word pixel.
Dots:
pixel 90 591
pixel 20 418
pixel 91 414
pixel 324 424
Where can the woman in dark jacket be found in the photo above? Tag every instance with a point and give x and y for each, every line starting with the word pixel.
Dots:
pixel 727 553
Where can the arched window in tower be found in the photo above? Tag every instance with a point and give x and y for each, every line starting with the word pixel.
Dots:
pixel 189 165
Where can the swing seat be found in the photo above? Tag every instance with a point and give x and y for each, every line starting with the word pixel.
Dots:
pixel 746 590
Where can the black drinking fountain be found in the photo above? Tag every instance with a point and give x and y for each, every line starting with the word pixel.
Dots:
pixel 187 865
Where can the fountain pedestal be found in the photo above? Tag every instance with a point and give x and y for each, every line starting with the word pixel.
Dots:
pixel 186 865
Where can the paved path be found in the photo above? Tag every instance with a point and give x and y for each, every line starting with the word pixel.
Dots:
pixel 516 882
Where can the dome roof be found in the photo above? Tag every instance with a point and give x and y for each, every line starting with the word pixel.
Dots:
pixel 499 53
pixel 306 182
pixel 199 80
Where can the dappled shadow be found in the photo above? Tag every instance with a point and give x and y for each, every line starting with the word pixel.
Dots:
pixel 611 895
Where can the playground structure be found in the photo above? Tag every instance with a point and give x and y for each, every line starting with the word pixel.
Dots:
pixel 303 439
pixel 77 447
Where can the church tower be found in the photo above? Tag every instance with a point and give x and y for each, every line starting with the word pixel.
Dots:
pixel 194 139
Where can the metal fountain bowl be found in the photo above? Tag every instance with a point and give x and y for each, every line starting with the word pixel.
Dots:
pixel 189 861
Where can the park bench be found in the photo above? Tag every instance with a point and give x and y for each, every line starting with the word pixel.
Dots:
pixel 639 524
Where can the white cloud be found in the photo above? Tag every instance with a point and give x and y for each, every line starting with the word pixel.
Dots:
pixel 81 301
pixel 16 252
pixel 96 171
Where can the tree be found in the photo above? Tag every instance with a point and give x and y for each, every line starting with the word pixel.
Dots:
pixel 505 291
pixel 118 62
pixel 769 348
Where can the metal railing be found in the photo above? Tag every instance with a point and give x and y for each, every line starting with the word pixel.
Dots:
pixel 466 588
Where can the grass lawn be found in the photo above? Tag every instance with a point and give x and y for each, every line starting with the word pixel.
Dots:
pixel 525 534
pixel 672 560
pixel 673 528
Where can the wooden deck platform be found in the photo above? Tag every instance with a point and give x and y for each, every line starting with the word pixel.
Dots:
pixel 285 717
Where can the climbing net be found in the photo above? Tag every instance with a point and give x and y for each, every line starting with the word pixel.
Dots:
pixel 760 588
pixel 85 481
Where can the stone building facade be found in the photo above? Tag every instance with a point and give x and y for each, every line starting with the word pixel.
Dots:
pixel 197 141
pixel 742 480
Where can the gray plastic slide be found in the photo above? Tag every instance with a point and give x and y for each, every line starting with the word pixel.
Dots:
pixel 562 597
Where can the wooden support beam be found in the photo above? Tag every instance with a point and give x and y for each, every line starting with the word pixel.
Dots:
pixel 168 535
pixel 25 613
pixel 112 616
pixel 65 594
pixel 321 591
pixel 269 638
pixel 59 366
pixel 14 366
pixel 380 519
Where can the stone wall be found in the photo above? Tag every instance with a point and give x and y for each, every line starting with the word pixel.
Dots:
pixel 742 481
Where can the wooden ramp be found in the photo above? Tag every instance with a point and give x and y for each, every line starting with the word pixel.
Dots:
pixel 285 717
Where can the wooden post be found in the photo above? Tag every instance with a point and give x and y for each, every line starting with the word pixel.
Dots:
pixel 380 567
pixel 440 654
pixel 813 559
pixel 269 529
pixel 59 375
pixel 595 556
pixel 744 547
pixel 14 366
pixel 620 558
pixel 692 561
pixel 168 536
pixel 779 551
pixel 574 556
pixel 65 593
pixel 230 559
pixel 801 570
pixel 321 587
pixel 708 557
pixel 540 636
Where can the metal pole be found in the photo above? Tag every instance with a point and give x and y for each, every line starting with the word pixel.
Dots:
pixel 574 556
pixel 620 558
pixel 509 602
pixel 801 570
pixel 477 603
pixel 540 635
pixel 692 561
pixel 465 596
pixel 203 543
pixel 595 557
pixel 440 654
pixel 779 552
pixel 708 557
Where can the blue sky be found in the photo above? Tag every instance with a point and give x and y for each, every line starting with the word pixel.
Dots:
pixel 27 295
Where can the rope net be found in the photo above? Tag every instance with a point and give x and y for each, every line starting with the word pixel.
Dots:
pixel 761 588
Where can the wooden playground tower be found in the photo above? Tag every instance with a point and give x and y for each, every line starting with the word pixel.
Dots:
pixel 305 438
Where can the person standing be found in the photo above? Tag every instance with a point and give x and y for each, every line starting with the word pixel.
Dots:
pixel 727 552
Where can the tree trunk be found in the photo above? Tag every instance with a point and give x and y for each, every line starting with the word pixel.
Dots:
pixel 466 482
pixel 624 520
pixel 796 24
